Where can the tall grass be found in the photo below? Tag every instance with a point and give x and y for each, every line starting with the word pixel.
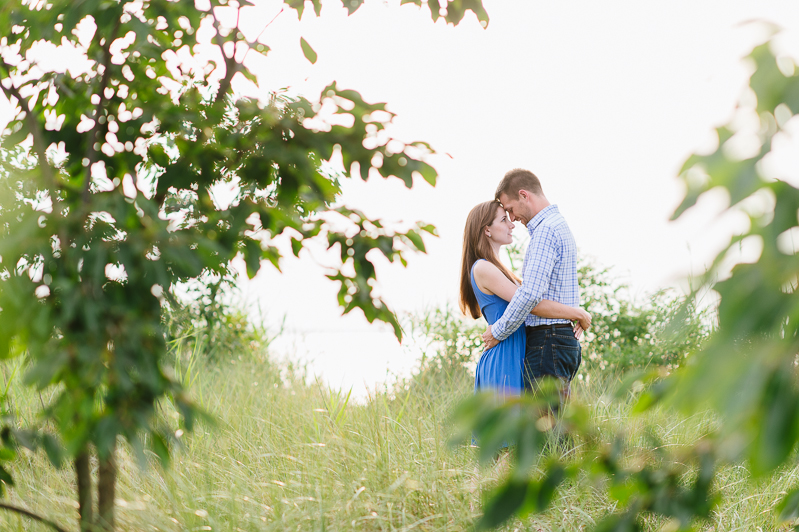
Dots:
pixel 289 454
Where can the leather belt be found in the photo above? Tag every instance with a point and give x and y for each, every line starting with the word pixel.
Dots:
pixel 551 326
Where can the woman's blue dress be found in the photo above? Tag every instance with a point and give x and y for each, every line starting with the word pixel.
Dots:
pixel 499 368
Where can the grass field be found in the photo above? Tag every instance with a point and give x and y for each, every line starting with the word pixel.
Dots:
pixel 288 455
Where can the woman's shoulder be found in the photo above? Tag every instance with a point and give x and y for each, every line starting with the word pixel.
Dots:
pixel 490 275
pixel 483 267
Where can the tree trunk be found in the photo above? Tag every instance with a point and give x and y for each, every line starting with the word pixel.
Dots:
pixel 84 477
pixel 106 484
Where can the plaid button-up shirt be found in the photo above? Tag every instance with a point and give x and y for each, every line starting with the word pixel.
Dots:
pixel 549 272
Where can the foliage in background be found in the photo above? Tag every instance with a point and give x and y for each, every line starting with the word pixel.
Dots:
pixel 112 191
pixel 208 319
pixel 451 347
pixel 662 331
pixel 745 372
pixel 626 333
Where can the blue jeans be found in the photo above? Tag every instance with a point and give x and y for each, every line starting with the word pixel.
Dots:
pixel 551 352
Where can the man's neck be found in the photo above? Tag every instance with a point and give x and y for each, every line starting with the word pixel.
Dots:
pixel 538 203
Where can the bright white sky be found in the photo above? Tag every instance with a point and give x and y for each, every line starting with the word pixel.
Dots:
pixel 602 100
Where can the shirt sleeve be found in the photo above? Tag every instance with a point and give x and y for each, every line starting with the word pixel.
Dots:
pixel 539 263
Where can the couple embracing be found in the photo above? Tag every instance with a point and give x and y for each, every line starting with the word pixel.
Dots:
pixel 546 301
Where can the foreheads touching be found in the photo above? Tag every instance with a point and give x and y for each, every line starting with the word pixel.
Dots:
pixel 517 180
pixel 486 222
pixel 500 230
pixel 521 195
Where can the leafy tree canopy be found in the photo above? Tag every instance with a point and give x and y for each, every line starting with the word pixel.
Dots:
pixel 110 180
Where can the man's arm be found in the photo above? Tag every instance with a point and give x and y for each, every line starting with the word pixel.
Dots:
pixel 539 263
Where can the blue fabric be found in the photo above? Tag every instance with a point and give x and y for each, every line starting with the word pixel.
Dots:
pixel 499 368
pixel 549 272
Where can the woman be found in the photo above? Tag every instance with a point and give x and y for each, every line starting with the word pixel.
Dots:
pixel 488 286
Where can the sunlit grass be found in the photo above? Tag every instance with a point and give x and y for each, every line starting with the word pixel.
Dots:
pixel 288 455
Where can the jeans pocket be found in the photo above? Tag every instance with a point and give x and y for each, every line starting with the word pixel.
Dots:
pixel 566 358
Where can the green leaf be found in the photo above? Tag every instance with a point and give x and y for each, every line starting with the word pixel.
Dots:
pixel 159 156
pixel 296 246
pixel 777 429
pixel 297 5
pixel 416 240
pixel 540 494
pixel 7 454
pixel 5 477
pixel 429 228
pixel 352 5
pixel 626 522
pixel 161 449
pixel 252 256
pixel 16 137
pixel 310 55
pixel 503 504
pixel 788 508
pixel 106 435
pixel 53 449
pixel 272 254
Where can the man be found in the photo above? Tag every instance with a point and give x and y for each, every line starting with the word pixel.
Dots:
pixel 549 272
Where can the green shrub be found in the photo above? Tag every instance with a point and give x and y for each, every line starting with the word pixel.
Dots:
pixel 625 334
pixel 661 331
pixel 210 323
pixel 451 347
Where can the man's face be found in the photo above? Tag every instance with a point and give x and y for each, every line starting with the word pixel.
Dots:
pixel 518 208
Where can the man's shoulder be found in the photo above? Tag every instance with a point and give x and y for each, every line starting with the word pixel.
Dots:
pixel 555 230
pixel 553 215
pixel 555 221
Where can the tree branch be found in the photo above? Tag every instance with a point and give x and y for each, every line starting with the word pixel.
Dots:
pixel 260 34
pixel 98 129
pixel 230 62
pixel 106 483
pixel 28 513
pixel 83 476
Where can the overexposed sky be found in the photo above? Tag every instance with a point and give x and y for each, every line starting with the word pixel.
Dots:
pixel 602 100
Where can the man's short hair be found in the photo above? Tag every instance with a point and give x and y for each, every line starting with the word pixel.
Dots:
pixel 516 180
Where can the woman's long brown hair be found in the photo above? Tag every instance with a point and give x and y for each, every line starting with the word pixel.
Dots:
pixel 477 246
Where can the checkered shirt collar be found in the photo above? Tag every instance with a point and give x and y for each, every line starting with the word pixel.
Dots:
pixel 538 218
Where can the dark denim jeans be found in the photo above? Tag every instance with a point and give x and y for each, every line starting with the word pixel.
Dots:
pixel 551 352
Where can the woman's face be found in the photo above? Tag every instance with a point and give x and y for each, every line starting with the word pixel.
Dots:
pixel 501 229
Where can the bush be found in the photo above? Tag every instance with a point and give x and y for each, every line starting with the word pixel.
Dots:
pixel 662 331
pixel 626 334
pixel 451 347
pixel 207 323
